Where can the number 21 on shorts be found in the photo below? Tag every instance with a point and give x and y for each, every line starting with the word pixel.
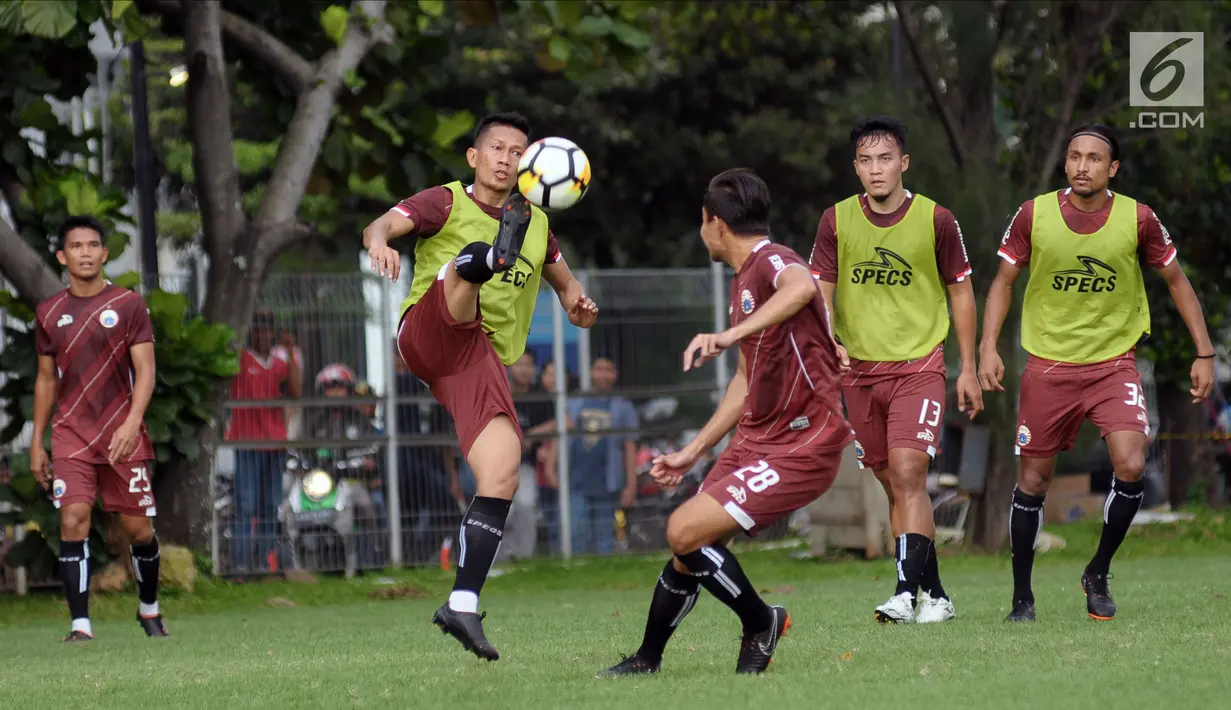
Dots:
pixel 764 476
pixel 140 482
pixel 929 414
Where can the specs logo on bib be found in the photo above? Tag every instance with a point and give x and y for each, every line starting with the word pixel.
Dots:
pixel 888 269
pixel 1093 277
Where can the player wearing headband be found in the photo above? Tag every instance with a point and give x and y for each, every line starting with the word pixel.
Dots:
pixel 1085 311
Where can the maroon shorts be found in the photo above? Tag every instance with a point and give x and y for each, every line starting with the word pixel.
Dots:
pixel 757 489
pixel 897 413
pixel 125 488
pixel 1053 406
pixel 458 363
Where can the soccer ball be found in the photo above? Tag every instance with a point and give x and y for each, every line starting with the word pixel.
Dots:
pixel 553 173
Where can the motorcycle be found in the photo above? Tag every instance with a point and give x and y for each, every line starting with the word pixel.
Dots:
pixel 326 512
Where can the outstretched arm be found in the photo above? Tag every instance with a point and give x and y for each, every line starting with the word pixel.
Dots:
pixel 1190 310
pixel 795 288
pixel 966 323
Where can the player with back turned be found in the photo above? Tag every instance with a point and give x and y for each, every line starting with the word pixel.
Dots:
pixel 886 261
pixel 477 239
pixel 784 406
pixel 96 371
pixel 1084 313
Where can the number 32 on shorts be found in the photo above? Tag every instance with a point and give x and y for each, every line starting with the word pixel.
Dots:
pixel 762 476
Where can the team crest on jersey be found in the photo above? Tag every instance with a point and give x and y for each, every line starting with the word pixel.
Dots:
pixel 859 451
pixel 737 494
pixel 59 488
pixel 109 318
pixel 1023 435
pixel 746 304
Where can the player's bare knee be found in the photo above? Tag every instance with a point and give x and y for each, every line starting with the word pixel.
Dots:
pixel 75 522
pixel 683 535
pixel 1130 466
pixel 1033 480
pixel 139 530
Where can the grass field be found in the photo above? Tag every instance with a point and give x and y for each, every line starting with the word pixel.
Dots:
pixel 331 644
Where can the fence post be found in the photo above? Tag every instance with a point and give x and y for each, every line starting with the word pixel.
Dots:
pixel 215 535
pixel 722 375
pixel 583 340
pixel 393 499
pixel 562 458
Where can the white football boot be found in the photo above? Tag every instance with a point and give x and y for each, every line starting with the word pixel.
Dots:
pixel 932 610
pixel 900 609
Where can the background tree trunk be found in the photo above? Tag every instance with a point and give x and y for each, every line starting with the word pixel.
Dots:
pixel 1189 452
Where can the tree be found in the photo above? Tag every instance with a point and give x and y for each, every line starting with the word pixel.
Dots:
pixel 359 48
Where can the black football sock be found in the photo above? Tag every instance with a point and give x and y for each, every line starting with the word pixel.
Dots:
pixel 1025 523
pixel 145 567
pixel 674 596
pixel 1123 502
pixel 479 541
pixel 75 572
pixel 912 559
pixel 931 575
pixel 472 263
pixel 719 572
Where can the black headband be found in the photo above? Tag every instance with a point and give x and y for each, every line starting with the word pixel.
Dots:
pixel 1099 136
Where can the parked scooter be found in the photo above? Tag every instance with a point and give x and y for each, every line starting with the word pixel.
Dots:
pixel 326 512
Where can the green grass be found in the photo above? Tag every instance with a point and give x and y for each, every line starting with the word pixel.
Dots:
pixel 556 626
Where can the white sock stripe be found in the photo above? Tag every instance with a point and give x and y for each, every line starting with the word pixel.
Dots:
pixel 136 568
pixel 901 556
pixel 726 582
pixel 1111 495
pixel 461 543
pixel 714 555
pixel 688 604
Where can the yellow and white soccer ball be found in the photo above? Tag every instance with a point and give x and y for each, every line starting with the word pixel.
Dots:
pixel 554 173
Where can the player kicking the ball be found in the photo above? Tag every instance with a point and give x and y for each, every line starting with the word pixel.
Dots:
pixel 1084 313
pixel 474 240
pixel 96 370
pixel 886 261
pixel 783 403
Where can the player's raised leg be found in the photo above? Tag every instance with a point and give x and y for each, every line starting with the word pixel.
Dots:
pixel 1127 449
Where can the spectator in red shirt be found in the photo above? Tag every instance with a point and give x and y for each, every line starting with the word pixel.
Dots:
pixel 258 471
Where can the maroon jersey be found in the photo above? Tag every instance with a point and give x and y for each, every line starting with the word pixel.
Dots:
pixel 794 392
pixel 90 340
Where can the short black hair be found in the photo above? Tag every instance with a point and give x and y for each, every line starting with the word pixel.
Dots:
pixel 512 119
pixel 878 127
pixel 79 222
pixel 740 198
pixel 1098 130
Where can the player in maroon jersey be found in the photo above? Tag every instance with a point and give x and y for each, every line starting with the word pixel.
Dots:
pixel 96 370
pixel 784 406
